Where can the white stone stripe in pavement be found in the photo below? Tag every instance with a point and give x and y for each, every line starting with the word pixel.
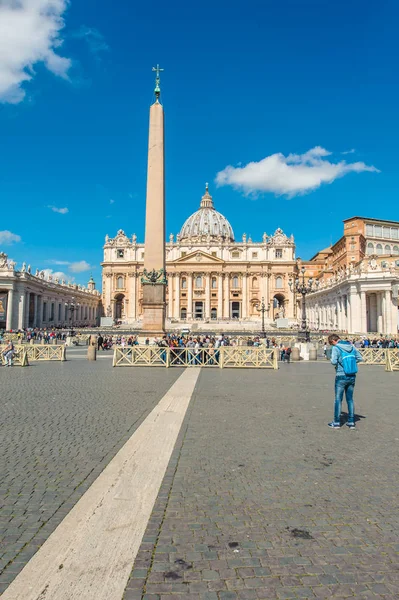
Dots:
pixel 90 554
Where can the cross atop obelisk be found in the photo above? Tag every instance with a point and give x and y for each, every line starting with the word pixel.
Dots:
pixel 157 90
pixel 154 276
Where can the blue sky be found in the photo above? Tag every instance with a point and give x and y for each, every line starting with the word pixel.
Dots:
pixel 242 82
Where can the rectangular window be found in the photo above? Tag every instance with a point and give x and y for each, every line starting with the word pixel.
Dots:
pixel 142 255
pixel 183 254
pixel 254 255
pixel 394 233
pixel 370 230
pixel 378 231
pixel 120 253
pixel 235 255
pixel 214 253
pixel 279 253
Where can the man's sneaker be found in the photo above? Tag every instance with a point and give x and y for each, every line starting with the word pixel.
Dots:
pixel 334 425
pixel 351 425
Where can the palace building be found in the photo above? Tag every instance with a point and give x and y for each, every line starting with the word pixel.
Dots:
pixel 212 277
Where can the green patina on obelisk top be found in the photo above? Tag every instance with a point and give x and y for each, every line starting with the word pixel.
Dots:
pixel 157 90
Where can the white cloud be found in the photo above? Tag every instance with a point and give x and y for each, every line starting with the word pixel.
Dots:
pixel 79 267
pixel 6 237
pixel 29 34
pixel 352 151
pixel 112 201
pixel 95 40
pixel 61 211
pixel 59 262
pixel 289 175
pixel 60 274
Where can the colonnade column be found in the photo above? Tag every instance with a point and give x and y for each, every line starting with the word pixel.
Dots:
pixel 363 312
pixel 10 309
pixel 244 307
pixel 189 296
pixel 207 296
pixel 132 296
pixel 388 312
pixel 380 325
pixel 226 307
pixel 220 296
pixel 176 296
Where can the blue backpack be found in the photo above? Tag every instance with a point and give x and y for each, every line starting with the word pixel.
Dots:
pixel 348 361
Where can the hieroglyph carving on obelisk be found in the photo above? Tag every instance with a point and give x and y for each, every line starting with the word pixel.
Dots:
pixel 154 278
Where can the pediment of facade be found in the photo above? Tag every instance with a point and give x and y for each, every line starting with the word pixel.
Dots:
pixel 196 257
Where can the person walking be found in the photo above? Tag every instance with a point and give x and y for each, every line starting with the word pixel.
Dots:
pixel 344 357
pixel 100 342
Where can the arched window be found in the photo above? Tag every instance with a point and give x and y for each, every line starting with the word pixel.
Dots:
pixel 214 313
pixel 370 248
pixel 235 282
pixel 379 249
pixel 183 313
pixel 396 249
pixel 214 283
pixel 279 283
pixel 198 282
pixel 387 249
pixel 255 282
pixel 184 283
pixel 120 282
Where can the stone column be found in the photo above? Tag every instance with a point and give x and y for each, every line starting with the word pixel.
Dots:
pixel 380 325
pixel 35 311
pixel 244 307
pixel 220 296
pixel 226 294
pixel 388 312
pixel 10 309
pixel 207 295
pixel 176 294
pixel 363 312
pixel 349 314
pixel 189 296
pixel 132 296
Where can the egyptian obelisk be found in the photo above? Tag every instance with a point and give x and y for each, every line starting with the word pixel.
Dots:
pixel 154 278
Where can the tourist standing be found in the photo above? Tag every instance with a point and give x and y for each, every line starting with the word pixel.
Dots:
pixel 8 353
pixel 344 357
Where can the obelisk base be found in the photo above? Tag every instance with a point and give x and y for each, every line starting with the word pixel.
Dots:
pixel 154 307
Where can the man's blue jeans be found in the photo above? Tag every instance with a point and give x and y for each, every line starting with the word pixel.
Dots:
pixel 344 383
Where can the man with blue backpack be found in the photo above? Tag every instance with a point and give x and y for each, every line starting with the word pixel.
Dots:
pixel 344 357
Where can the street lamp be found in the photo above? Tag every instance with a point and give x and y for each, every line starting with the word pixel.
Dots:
pixel 301 287
pixel 262 308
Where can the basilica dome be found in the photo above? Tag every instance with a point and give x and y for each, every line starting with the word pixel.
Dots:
pixel 206 223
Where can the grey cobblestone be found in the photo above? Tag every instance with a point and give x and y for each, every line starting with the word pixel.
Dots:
pixel 61 425
pixel 262 500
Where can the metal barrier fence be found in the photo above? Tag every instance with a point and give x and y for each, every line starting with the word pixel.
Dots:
pixel 19 359
pixel 39 352
pixel 392 360
pixel 222 358
pixel 374 356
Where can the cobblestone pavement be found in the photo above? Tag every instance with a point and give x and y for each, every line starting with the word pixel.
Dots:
pixel 61 423
pixel 262 500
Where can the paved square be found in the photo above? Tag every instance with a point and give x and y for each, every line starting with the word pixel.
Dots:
pixel 263 500
pixel 260 498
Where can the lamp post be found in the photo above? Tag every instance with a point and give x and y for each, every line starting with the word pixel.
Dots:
pixel 299 286
pixel 262 308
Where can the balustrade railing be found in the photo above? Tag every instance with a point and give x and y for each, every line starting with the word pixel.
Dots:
pixel 19 359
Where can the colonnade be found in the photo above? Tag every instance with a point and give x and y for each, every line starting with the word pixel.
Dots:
pixel 30 309
pixel 358 310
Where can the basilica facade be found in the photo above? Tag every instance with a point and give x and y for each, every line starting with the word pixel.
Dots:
pixel 212 277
